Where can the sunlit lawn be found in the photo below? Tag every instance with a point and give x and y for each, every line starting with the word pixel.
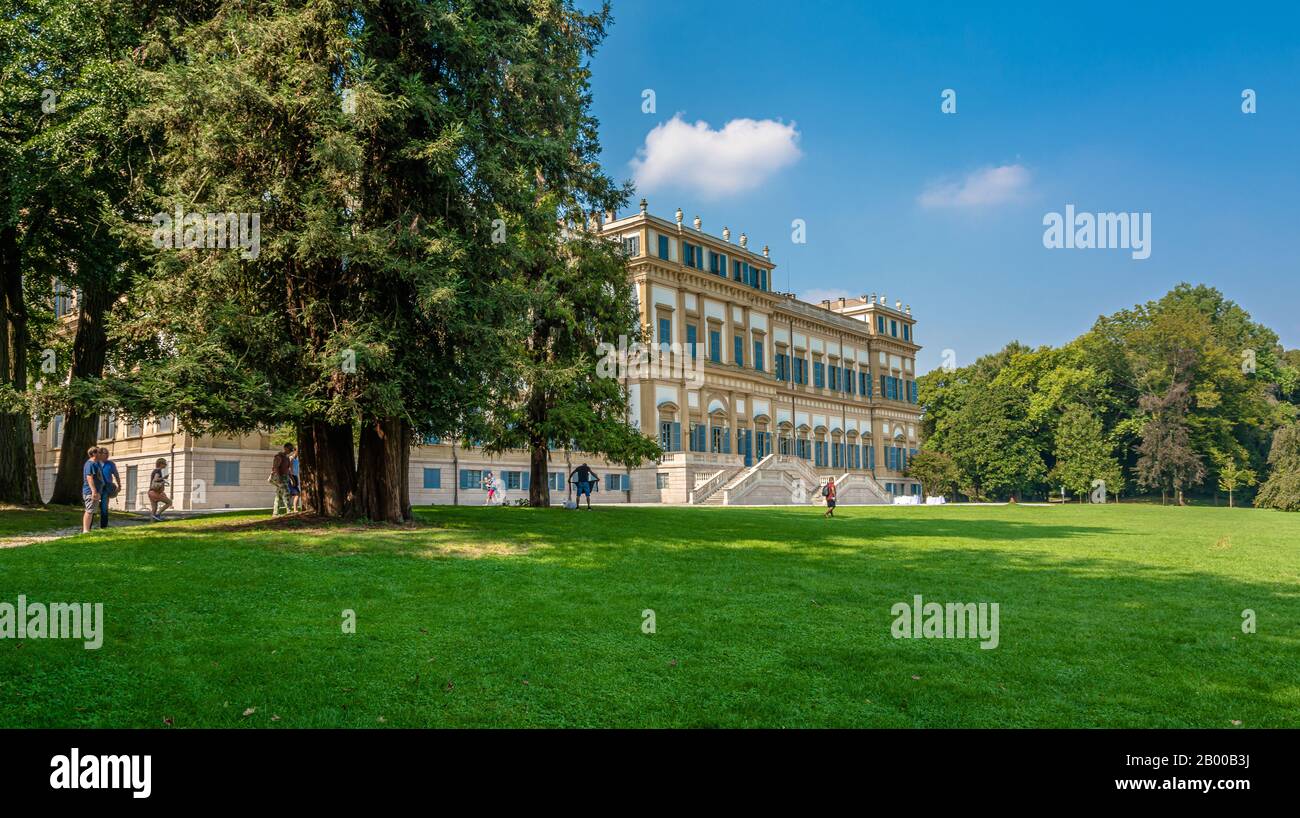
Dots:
pixel 1114 616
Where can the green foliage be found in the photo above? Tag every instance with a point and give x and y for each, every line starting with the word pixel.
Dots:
pixel 1082 454
pixel 936 471
pixel 1282 488
pixel 1168 382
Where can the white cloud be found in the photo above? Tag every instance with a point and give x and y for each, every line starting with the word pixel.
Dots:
pixel 817 296
pixel 986 186
pixel 739 157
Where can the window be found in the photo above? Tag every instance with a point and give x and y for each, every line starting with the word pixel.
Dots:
pixel 893 328
pixel 663 248
pixel 779 366
pixel 471 479
pixel 661 480
pixel 618 482
pixel 715 346
pixel 697 437
pixel 166 424
pixel 227 473
pixel 762 280
pixel 516 479
pixel 835 378
pixel 58 431
pixel 691 339
pixel 758 355
pixel 907 333
pixel 433 478
pixel 555 480
pixel 665 330
pixel 735 270
pixel 631 246
pixel 434 440
pixel 819 374
pixel 688 253
pixel 880 324
pixel 738 350
pixel 670 436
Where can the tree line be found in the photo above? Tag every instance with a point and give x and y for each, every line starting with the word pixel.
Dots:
pixel 1182 394
pixel 419 180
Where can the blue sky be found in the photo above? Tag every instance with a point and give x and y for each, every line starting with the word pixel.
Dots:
pixel 1107 106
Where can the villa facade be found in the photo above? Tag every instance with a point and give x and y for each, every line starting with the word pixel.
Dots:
pixel 755 396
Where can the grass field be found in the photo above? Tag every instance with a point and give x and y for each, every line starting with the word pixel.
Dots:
pixel 14 520
pixel 1110 616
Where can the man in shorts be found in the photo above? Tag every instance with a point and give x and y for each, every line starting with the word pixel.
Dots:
pixel 584 478
pixel 92 484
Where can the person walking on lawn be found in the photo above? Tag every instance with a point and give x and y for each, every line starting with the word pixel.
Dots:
pixel 828 491
pixel 158 490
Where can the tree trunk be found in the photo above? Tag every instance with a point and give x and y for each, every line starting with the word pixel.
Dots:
pixel 89 351
pixel 18 483
pixel 379 470
pixel 328 471
pixel 539 485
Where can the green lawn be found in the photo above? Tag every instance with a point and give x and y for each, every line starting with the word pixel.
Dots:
pixel 15 520
pixel 1114 616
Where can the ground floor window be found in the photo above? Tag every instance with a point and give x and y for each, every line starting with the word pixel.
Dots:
pixel 661 480
pixel 618 482
pixel 471 479
pixel 227 473
pixel 433 478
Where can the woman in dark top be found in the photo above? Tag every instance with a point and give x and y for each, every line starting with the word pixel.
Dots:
pixel 828 491
pixel 158 490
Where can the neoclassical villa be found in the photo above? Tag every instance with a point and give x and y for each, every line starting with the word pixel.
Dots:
pixel 755 396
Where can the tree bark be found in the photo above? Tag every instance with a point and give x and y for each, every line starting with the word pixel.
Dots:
pixel 380 476
pixel 18 483
pixel 539 485
pixel 89 352
pixel 327 469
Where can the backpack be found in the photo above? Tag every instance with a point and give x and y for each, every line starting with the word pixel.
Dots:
pixel 826 490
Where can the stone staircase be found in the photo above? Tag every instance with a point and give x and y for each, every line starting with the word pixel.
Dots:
pixel 785 480
pixel 706 490
pixel 858 489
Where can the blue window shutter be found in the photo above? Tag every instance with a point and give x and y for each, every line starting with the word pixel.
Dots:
pixel 677 437
pixel 663 247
